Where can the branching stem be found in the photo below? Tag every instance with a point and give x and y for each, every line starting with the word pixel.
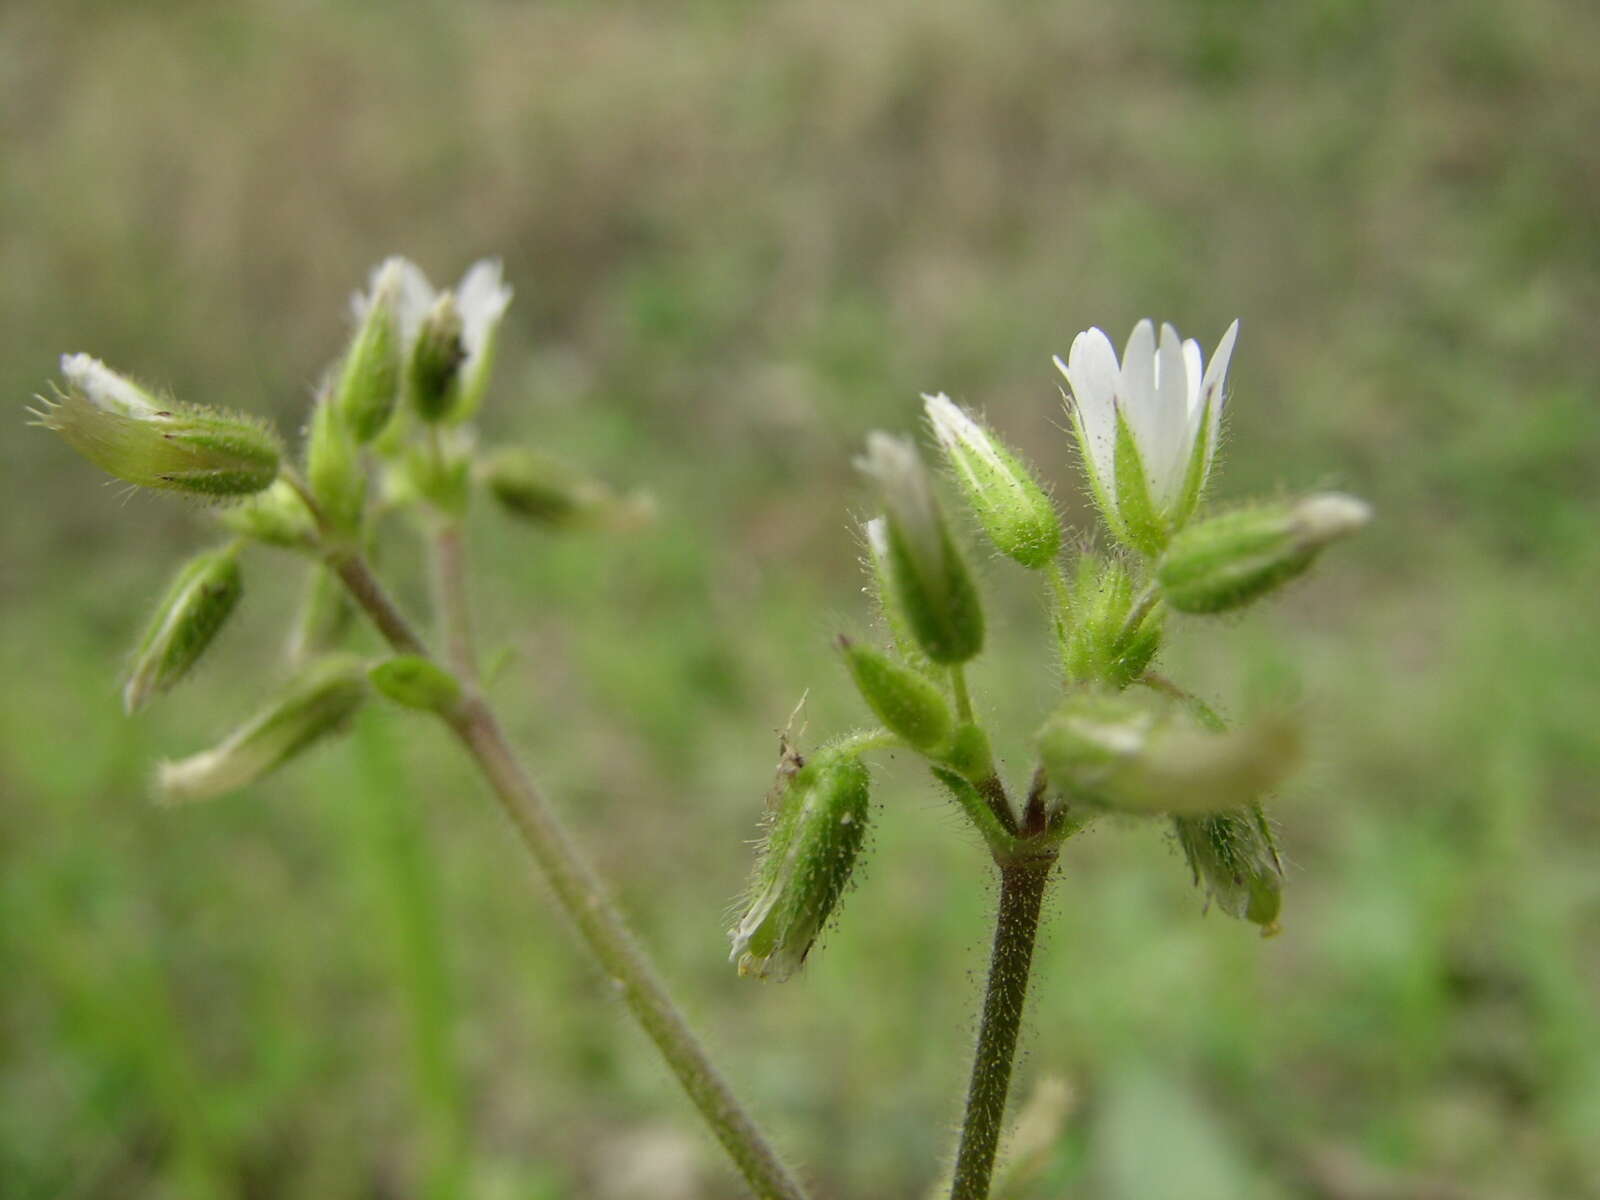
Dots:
pixel 574 882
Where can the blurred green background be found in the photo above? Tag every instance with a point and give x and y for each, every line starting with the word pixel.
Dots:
pixel 741 236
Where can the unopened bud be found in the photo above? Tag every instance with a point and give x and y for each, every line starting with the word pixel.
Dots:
pixel 1101 645
pixel 1233 857
pixel 806 861
pixel 1228 561
pixel 196 606
pixel 128 433
pixel 548 492
pixel 416 682
pixel 908 703
pixel 1003 494
pixel 433 375
pixel 334 470
pixel 320 702
pixel 369 377
pixel 1112 751
pixel 932 584
pixel 277 516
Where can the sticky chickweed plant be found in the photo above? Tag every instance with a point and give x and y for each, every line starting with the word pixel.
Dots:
pixel 390 441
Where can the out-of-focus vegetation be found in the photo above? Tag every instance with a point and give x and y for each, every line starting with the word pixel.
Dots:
pixel 740 238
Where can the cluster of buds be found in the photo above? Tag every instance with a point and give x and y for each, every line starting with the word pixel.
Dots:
pixel 389 428
pixel 1122 739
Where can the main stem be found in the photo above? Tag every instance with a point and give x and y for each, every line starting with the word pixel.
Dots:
pixel 1022 887
pixel 575 884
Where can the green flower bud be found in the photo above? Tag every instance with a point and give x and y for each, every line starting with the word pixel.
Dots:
pixel 547 492
pixel 128 433
pixel 1007 500
pixel 1099 645
pixel 1113 751
pixel 1228 561
pixel 1233 856
pixel 334 470
pixel 369 376
pixel 320 702
pixel 276 516
pixel 880 571
pixel 809 852
pixel 416 682
pixel 325 617
pixel 195 608
pixel 908 703
pixel 932 585
pixel 433 376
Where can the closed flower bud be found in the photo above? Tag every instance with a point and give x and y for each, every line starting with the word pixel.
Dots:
pixel 809 852
pixel 1228 561
pixel 1234 858
pixel 128 433
pixel 933 587
pixel 1113 751
pixel 276 516
pixel 320 702
pixel 1099 644
pixel 908 703
pixel 416 682
pixel 1003 494
pixel 880 571
pixel 433 374
pixel 368 382
pixel 196 606
pixel 548 492
pixel 334 470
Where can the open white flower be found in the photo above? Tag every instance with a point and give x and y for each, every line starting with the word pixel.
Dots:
pixel 1148 428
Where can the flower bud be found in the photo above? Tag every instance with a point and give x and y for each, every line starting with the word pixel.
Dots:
pixel 276 516
pixel 1003 494
pixel 932 585
pixel 198 603
pixel 1228 561
pixel 334 470
pixel 1232 855
pixel 433 375
pixel 369 377
pixel 128 433
pixel 1098 644
pixel 416 682
pixel 320 702
pixel 806 861
pixel 880 571
pixel 908 703
pixel 1112 751
pixel 546 491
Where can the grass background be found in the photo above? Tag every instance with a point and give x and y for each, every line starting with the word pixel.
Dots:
pixel 741 236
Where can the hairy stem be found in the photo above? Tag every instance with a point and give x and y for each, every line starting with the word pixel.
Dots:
pixel 1022 887
pixel 450 595
pixel 585 901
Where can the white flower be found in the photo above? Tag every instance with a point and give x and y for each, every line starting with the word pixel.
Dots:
pixel 480 300
pixel 1165 411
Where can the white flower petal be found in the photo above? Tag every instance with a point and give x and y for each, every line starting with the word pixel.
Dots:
pixel 1193 373
pixel 1136 389
pixel 482 298
pixel 104 388
pixel 1091 371
pixel 1166 454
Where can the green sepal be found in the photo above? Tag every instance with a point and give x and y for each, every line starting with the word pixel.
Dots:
pixel 1233 857
pixel 334 471
pixel 1141 523
pixel 969 753
pixel 1194 479
pixel 277 516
